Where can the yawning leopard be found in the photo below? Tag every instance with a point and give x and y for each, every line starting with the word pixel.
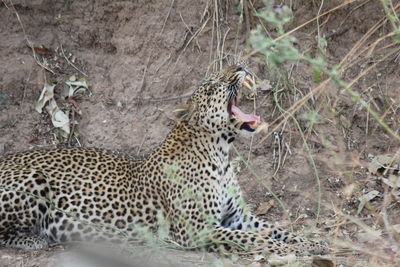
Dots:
pixel 63 195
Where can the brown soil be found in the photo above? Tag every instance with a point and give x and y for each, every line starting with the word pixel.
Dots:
pixel 143 58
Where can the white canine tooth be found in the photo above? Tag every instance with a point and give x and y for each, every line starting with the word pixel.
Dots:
pixel 248 78
pixel 246 84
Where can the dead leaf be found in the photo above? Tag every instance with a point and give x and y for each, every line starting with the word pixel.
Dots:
pixel 264 207
pixel 58 117
pixel 76 86
pixel 384 161
pixel 364 199
pixel 393 181
pixel 46 95
pixel 41 50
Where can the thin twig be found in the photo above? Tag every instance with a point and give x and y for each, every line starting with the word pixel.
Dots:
pixel 5 4
pixel 190 31
pixel 162 64
pixel 141 144
pixel 168 98
pixel 218 33
pixel 238 28
pixel 223 42
pixel 69 62
pixel 260 20
pixel 27 81
pixel 185 47
pixel 212 39
pixel 72 128
pixel 166 18
pixel 143 81
pixel 77 141
pixel 246 18
pixel 318 16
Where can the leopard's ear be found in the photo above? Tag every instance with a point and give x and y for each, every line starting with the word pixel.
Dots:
pixel 184 112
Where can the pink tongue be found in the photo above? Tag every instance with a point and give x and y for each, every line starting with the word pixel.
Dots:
pixel 248 118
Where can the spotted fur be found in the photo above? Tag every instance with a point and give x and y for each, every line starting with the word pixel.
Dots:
pixel 68 194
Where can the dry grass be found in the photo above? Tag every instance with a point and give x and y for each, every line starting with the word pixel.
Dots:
pixel 379 48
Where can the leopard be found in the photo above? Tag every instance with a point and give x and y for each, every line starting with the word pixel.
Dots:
pixel 186 185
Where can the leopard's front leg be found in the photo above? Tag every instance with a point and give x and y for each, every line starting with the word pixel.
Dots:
pixel 223 239
pixel 194 222
pixel 242 219
pixel 194 232
pixel 252 223
pixel 236 215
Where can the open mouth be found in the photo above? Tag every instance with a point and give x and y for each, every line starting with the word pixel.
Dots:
pixel 250 122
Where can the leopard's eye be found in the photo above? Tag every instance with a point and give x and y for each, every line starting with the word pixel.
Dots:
pixel 240 68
